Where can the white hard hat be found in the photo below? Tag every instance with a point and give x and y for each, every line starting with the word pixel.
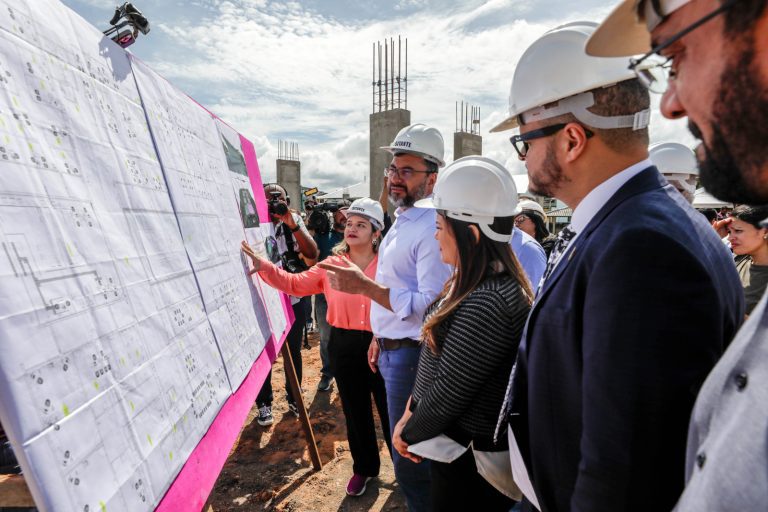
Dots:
pixel 475 189
pixel 527 204
pixel 419 139
pixel 674 158
pixel 627 30
pixel 368 208
pixel 554 77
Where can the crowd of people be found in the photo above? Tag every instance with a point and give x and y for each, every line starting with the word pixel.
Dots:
pixel 618 365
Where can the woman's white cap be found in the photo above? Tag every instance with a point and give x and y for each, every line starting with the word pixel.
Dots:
pixel 368 208
pixel 527 204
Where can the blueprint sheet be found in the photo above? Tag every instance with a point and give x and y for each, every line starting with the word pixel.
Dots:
pixel 197 157
pixel 126 319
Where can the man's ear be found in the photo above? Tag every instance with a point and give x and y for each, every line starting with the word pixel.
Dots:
pixel 575 141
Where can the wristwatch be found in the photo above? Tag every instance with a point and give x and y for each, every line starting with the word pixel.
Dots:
pixel 293 230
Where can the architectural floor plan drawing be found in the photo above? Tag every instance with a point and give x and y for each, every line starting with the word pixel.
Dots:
pixel 127 317
pixel 193 146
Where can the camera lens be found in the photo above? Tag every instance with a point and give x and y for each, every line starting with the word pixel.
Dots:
pixel 281 208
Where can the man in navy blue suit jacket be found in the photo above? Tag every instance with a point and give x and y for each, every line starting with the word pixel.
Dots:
pixel 633 311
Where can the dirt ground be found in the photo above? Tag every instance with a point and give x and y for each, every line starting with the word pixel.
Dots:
pixel 269 467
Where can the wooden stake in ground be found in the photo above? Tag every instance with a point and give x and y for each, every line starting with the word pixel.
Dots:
pixel 293 382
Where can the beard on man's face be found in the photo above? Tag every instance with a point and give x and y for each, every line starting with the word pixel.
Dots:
pixel 410 197
pixel 550 176
pixel 734 163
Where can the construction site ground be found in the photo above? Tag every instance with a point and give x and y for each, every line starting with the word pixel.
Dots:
pixel 269 467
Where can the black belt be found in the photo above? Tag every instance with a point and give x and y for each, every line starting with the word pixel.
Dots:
pixel 390 344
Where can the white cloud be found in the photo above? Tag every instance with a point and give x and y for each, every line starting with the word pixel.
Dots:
pixel 354 146
pixel 402 5
pixel 287 71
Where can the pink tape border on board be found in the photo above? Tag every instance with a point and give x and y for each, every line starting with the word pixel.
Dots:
pixel 197 477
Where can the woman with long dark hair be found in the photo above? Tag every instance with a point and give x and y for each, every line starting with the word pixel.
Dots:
pixel 749 242
pixel 532 220
pixel 349 317
pixel 470 336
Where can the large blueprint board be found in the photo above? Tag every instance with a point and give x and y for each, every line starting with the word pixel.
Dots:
pixel 113 364
pixel 205 197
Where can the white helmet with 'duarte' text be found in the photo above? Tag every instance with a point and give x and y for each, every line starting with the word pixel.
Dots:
pixel 419 139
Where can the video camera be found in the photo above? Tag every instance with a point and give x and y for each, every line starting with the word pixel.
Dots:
pixel 319 220
pixel 133 18
pixel 328 207
pixel 275 205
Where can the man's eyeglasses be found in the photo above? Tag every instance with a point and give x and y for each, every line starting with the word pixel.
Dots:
pixel 405 173
pixel 520 142
pixel 655 75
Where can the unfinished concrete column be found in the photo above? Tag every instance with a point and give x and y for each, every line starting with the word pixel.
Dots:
pixel 288 168
pixel 466 139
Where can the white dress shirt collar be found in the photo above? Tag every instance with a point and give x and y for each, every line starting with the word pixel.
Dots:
pixel 411 213
pixel 601 194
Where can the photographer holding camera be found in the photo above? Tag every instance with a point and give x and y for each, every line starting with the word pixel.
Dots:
pixel 293 240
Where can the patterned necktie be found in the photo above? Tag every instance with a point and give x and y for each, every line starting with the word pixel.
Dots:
pixel 565 236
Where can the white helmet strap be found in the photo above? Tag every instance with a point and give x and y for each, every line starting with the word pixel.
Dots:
pixel 498 237
pixel 682 181
pixel 484 222
pixel 578 105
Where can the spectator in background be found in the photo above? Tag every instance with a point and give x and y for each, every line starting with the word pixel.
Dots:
pixel 530 254
pixel 350 334
pixel 8 463
pixel 293 243
pixel 384 202
pixel 326 239
pixel 710 214
pixel 533 221
pixel 677 163
pixel 749 242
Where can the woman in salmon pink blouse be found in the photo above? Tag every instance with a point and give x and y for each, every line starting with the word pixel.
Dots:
pixel 349 317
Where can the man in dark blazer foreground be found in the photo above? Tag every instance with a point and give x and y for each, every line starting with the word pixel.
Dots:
pixel 722 90
pixel 639 300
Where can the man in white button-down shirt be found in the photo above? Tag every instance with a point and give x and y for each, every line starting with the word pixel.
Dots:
pixel 409 277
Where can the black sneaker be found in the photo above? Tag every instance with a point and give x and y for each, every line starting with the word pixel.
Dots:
pixel 325 383
pixel 265 416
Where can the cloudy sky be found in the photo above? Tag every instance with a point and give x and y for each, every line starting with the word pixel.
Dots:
pixel 301 70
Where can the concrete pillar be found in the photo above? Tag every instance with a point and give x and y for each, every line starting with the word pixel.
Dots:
pixel 384 127
pixel 465 144
pixel 289 177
